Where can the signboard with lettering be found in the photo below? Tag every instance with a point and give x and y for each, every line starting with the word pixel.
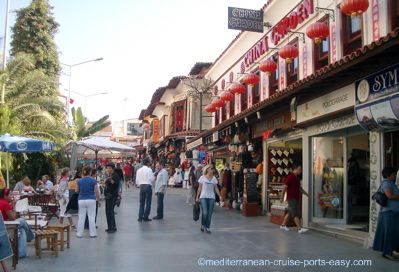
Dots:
pixel 376 19
pixel 377 99
pixel 245 19
pixel 291 21
pixel 377 85
pixel 333 42
pixel 155 130
pixel 329 103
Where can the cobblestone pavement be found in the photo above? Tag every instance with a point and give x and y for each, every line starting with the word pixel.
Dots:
pixel 176 244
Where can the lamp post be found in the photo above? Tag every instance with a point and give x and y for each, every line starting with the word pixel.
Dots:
pixel 5 40
pixel 70 66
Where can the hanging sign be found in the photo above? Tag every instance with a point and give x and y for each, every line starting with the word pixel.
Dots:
pixel 245 19
pixel 155 130
pixel 377 99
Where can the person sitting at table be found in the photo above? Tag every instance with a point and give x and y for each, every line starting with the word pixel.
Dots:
pixel 28 187
pixel 39 185
pixel 48 184
pixel 25 181
pixel 8 213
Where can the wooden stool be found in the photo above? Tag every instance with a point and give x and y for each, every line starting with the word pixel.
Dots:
pixel 51 237
pixel 62 229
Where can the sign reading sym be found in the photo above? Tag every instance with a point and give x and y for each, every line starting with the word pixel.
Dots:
pixel 245 19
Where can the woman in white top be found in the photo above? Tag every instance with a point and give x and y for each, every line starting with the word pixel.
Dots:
pixel 206 196
pixel 62 195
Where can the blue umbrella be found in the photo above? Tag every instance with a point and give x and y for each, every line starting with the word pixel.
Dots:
pixel 18 144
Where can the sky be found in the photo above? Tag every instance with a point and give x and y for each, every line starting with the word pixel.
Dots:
pixel 143 43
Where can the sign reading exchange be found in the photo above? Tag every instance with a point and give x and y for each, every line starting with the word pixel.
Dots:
pixel 332 102
pixel 245 19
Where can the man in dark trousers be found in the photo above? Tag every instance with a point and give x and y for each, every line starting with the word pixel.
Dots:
pixel 111 194
pixel 160 189
pixel 144 179
pixel 294 193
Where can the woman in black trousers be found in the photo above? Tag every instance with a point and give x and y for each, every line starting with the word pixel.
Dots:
pixel 111 193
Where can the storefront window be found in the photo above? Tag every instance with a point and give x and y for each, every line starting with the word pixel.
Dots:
pixel 232 105
pixel 256 93
pixel 394 10
pixel 320 51
pixel 274 77
pixel 328 177
pixel 293 68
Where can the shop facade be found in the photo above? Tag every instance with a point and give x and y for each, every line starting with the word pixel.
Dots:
pixel 305 108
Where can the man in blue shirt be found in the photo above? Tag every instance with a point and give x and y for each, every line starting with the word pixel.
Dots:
pixel 160 189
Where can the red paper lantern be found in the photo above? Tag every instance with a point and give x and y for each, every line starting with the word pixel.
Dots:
pixel 251 79
pixel 354 8
pixel 318 31
pixel 268 66
pixel 227 96
pixel 217 103
pixel 237 88
pixel 288 52
pixel 210 108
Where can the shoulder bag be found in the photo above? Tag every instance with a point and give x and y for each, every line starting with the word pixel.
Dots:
pixel 380 197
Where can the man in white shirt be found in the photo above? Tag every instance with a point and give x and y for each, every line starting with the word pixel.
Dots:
pixel 144 179
pixel 160 189
pixel 48 184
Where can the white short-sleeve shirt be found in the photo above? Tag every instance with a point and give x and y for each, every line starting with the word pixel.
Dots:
pixel 208 187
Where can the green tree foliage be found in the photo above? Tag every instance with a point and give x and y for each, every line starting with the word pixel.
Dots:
pixel 33 33
pixel 34 165
pixel 31 106
pixel 80 124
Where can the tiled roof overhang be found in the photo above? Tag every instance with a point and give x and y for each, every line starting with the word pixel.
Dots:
pixel 198 68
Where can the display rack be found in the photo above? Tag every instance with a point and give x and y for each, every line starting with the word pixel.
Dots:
pixel 280 163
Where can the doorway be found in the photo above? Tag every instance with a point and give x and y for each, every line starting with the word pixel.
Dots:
pixel 358 179
pixel 341 179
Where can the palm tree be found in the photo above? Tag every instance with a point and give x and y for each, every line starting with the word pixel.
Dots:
pixel 31 101
pixel 81 129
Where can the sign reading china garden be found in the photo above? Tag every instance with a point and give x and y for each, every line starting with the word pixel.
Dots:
pixel 245 19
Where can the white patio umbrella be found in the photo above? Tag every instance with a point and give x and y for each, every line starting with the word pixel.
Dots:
pixel 97 145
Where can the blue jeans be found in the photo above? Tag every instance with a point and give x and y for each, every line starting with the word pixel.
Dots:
pixel 25 235
pixel 160 197
pixel 145 201
pixel 207 205
pixel 24 226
